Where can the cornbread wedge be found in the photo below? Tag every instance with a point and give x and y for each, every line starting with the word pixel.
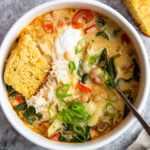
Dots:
pixel 140 11
pixel 26 68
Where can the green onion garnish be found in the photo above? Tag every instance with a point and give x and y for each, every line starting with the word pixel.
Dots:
pixel 81 46
pixel 72 66
pixel 62 91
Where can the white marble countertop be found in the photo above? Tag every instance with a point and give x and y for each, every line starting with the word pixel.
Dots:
pixel 10 11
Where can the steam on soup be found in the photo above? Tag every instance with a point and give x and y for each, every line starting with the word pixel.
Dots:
pixel 83 53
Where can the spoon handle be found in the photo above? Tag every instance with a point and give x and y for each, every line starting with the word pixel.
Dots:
pixel 133 109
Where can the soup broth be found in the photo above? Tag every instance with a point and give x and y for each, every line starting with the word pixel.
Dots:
pixel 64 88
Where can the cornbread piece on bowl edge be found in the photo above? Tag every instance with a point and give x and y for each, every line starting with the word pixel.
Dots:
pixel 26 68
pixel 140 11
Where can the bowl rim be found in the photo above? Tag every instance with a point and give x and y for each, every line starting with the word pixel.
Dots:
pixel 34 137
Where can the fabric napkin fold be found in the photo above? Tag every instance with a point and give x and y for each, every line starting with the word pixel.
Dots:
pixel 141 143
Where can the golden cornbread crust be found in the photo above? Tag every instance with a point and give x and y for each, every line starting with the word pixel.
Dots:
pixel 26 68
pixel 140 11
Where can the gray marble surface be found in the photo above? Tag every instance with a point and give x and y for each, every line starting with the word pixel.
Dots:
pixel 10 11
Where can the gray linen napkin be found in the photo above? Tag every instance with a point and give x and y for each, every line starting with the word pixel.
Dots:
pixel 141 143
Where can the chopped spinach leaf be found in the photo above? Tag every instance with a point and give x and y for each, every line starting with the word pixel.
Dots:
pixel 75 133
pixel 136 71
pixel 31 115
pixel 84 78
pixel 128 94
pixel 108 67
pixel 108 79
pixel 103 34
pixel 116 32
pixel 10 90
pixel 100 22
pixel 103 59
pixel 111 69
pixel 21 106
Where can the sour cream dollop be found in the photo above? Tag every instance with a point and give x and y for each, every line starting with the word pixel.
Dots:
pixel 67 41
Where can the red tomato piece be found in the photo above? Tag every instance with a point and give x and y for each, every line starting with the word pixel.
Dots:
pixel 85 14
pixel 19 98
pixel 83 88
pixel 48 27
pixel 91 28
pixel 102 127
pixel 55 136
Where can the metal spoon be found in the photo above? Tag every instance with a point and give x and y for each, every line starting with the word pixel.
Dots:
pixel 133 109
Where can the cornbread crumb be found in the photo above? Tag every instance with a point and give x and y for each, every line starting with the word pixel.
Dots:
pixel 26 68
pixel 140 11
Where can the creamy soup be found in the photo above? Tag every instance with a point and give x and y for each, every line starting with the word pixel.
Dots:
pixel 85 54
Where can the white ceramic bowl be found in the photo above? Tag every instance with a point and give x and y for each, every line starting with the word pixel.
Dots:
pixel 143 62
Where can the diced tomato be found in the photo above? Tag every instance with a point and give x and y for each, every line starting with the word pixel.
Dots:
pixel 19 98
pixel 85 14
pixel 48 27
pixel 60 23
pixel 55 136
pixel 125 38
pixel 83 88
pixel 102 127
pixel 91 29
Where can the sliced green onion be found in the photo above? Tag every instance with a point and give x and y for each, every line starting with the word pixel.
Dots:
pixel 109 109
pixel 74 113
pixel 102 126
pixel 84 78
pixel 62 91
pixel 72 66
pixel 81 46
pixel 79 129
pixel 67 116
pixel 77 106
pixel 92 60
pixel 80 71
